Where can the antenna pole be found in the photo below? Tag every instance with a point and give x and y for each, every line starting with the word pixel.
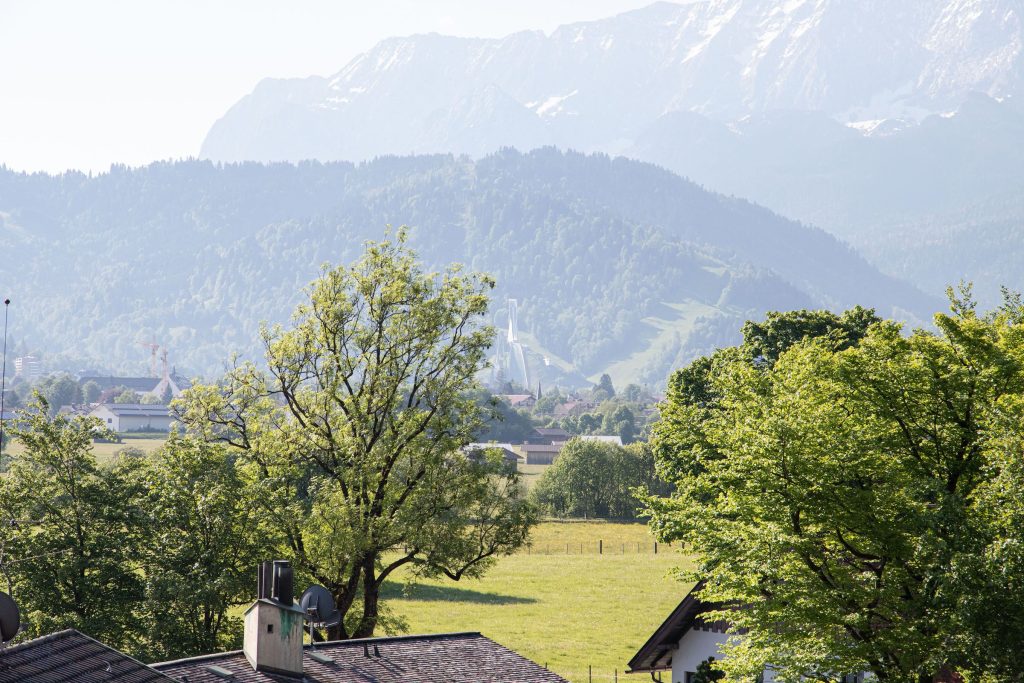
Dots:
pixel 3 376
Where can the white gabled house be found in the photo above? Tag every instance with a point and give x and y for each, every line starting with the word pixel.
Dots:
pixel 686 639
pixel 683 641
pixel 134 417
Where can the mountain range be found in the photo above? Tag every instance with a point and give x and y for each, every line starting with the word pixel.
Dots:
pixel 618 266
pixel 875 120
pixel 599 85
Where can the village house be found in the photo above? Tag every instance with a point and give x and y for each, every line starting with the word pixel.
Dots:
pixel 548 435
pixel 686 639
pixel 541 453
pixel 573 408
pixel 507 452
pixel 170 384
pixel 134 417
pixel 519 400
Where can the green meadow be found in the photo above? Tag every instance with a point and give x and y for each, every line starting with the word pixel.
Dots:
pixel 569 611
pixel 104 451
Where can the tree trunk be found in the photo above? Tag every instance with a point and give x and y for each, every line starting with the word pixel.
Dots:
pixel 344 595
pixel 371 598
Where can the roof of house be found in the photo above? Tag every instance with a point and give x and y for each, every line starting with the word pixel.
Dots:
pixel 656 653
pixel 505 448
pixel 542 447
pixel 72 656
pixel 137 409
pixel 141 384
pixel 451 657
pixel 552 431
pixel 572 406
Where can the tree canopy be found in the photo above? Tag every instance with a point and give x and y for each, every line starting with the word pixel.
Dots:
pixel 859 499
pixel 147 555
pixel 352 436
pixel 597 479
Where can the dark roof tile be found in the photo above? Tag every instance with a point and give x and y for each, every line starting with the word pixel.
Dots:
pixel 454 657
pixel 68 656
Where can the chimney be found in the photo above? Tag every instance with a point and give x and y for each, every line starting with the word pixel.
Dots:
pixel 273 625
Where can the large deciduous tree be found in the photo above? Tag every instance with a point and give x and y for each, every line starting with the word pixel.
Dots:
pixel 861 501
pixel 352 436
pixel 203 543
pixel 72 531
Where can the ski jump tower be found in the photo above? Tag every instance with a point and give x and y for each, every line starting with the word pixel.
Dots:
pixel 515 359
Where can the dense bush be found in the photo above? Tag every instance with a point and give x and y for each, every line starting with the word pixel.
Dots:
pixel 597 479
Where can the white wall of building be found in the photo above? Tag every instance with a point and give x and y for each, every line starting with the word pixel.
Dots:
pixel 138 423
pixel 695 647
pixel 132 423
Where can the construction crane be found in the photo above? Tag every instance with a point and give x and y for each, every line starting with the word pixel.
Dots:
pixel 153 348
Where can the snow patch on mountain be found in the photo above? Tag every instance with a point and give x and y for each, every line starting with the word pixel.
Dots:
pixel 868 60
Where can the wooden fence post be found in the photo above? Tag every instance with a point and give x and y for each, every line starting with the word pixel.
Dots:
pixel 600 546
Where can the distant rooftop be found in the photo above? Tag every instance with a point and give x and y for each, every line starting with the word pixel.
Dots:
pixel 543 447
pixel 139 384
pixel 137 409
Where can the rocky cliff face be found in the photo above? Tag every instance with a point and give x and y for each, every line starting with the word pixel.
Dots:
pixel 598 85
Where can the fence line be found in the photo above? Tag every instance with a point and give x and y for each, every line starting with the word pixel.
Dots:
pixel 598 547
pixel 590 675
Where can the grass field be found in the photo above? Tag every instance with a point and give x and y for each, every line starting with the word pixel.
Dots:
pixel 658 332
pixel 567 611
pixel 105 451
pixel 529 474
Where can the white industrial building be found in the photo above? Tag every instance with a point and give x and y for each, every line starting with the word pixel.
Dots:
pixel 134 417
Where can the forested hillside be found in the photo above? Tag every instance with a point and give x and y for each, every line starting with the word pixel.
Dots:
pixel 616 264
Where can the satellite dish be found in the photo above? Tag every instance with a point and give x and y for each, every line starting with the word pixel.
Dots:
pixel 10 618
pixel 318 604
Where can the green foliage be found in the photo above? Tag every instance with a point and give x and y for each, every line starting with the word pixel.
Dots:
pixel 591 246
pixel 91 392
pixel 128 396
pixel 59 390
pixel 705 672
pixel 551 398
pixel 147 556
pixel 500 421
pixel 864 496
pixel 597 479
pixel 206 543
pixel 634 393
pixel 768 340
pixel 604 385
pixel 620 422
pixel 71 531
pixel 351 440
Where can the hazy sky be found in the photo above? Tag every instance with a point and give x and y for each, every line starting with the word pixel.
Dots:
pixel 84 84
